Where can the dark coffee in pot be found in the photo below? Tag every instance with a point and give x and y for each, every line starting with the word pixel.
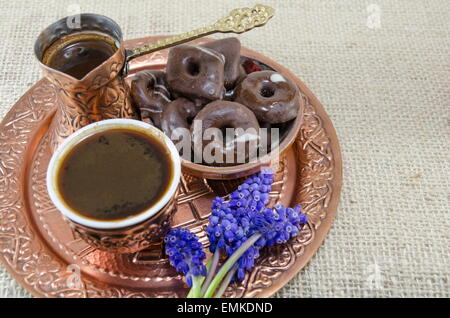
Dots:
pixel 77 55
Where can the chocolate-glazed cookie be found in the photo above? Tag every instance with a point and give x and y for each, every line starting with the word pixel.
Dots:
pixel 271 96
pixel 177 115
pixel 230 48
pixel 196 72
pixel 222 115
pixel 198 102
pixel 150 95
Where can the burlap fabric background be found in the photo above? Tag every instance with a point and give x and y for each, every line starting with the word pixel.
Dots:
pixel 386 87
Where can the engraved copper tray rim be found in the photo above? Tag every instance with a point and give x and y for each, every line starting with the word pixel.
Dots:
pixel 38 268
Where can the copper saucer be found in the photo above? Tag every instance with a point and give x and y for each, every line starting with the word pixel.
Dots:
pixel 44 256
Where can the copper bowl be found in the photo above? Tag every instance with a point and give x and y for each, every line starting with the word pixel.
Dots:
pixel 159 60
pixel 270 159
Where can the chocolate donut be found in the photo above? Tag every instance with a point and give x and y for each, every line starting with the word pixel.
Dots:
pixel 177 114
pixel 196 72
pixel 221 115
pixel 230 48
pixel 198 102
pixel 150 95
pixel 272 97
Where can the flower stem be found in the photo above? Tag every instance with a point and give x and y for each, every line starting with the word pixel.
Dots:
pixel 191 293
pixel 229 263
pixel 211 270
pixel 195 291
pixel 226 281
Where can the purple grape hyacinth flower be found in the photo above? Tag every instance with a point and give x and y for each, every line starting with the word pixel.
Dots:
pixel 278 225
pixel 230 221
pixel 185 253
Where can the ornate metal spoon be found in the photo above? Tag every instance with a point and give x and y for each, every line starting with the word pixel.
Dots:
pixel 238 21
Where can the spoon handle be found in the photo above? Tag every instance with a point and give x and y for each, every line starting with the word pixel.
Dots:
pixel 238 21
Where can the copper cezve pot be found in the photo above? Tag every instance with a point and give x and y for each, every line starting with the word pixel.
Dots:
pixel 101 93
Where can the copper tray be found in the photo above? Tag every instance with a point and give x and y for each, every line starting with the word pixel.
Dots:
pixel 44 256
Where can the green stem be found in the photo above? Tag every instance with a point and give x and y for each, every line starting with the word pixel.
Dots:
pixel 193 290
pixel 191 293
pixel 226 282
pixel 229 263
pixel 212 270
pixel 196 287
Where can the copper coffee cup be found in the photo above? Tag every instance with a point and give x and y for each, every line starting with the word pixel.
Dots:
pixel 124 235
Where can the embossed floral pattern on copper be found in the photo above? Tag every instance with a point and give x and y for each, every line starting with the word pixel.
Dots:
pixel 38 248
pixel 102 94
pixel 134 238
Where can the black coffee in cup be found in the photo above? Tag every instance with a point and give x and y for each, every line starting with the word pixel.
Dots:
pixel 114 175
